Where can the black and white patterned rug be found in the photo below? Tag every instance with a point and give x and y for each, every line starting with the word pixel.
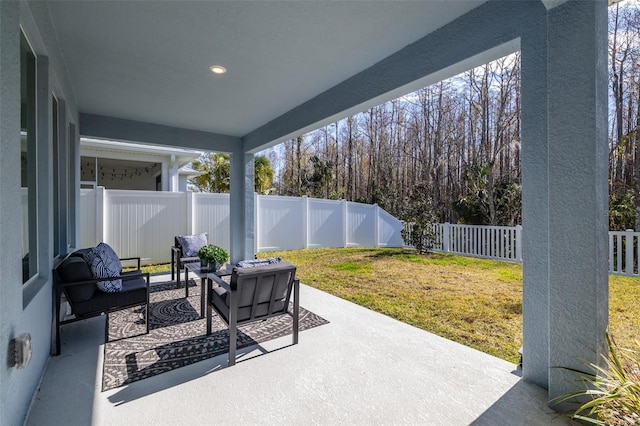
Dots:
pixel 177 336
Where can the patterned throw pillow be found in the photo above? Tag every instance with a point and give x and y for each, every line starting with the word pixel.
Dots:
pixel 253 263
pixel 106 264
pixel 191 244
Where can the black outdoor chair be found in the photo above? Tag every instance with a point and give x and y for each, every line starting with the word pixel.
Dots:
pixel 73 279
pixel 253 294
pixel 178 257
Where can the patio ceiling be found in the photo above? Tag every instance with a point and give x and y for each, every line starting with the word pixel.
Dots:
pixel 149 61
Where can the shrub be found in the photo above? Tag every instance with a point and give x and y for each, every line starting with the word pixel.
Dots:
pixel 613 389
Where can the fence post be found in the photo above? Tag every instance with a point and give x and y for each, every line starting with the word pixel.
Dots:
pixel 628 251
pixel 518 243
pixel 100 216
pixel 345 224
pixel 305 221
pixel 189 214
pixel 611 257
pixel 445 240
pixel 376 221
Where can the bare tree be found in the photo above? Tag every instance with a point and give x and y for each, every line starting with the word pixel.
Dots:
pixel 430 139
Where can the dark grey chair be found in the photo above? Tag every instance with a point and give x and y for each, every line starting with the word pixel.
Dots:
pixel 178 259
pixel 74 280
pixel 253 294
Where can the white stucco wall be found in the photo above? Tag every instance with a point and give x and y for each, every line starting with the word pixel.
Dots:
pixel 26 308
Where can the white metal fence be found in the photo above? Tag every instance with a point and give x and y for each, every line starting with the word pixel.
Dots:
pixel 144 223
pixel 505 243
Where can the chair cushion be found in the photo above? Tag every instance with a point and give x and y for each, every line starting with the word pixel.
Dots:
pixel 191 244
pixel 131 274
pixel 261 279
pixel 253 263
pixel 106 264
pixel 73 269
pixel 264 268
pixel 264 278
pixel 218 297
pixel 134 292
pixel 85 253
pixel 220 300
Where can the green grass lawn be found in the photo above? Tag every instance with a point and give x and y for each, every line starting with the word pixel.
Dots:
pixel 475 302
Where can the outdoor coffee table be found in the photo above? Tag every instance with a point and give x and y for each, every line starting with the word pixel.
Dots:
pixel 202 273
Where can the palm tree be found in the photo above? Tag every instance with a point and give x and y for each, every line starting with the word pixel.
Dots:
pixel 216 169
pixel 263 174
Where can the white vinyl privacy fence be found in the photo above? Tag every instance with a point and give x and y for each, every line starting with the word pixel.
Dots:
pixel 144 223
pixel 505 243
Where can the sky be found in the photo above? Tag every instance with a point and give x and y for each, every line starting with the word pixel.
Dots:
pixel 460 81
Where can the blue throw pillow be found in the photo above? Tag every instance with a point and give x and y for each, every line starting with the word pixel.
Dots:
pixel 105 264
pixel 191 244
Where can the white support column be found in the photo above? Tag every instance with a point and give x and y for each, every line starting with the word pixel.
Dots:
pixel 164 175
pixel 535 202
pixel 564 127
pixel 578 199
pixel 173 180
pixel 242 206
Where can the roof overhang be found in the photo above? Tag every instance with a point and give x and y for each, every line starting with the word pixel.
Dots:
pixel 118 150
pixel 139 71
pixel 148 62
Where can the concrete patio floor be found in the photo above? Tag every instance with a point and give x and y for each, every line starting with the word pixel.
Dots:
pixel 363 368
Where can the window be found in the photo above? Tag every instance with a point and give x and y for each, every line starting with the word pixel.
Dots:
pixel 70 185
pixel 57 167
pixel 28 168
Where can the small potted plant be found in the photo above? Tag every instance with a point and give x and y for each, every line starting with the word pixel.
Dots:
pixel 212 256
pixel 204 258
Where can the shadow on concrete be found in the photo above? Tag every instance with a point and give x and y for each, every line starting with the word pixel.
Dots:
pixel 179 376
pixel 522 405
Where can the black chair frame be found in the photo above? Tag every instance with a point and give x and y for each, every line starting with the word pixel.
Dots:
pixel 233 322
pixel 177 263
pixel 63 287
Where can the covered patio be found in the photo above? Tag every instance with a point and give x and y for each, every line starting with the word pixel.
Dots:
pixel 139 72
pixel 361 368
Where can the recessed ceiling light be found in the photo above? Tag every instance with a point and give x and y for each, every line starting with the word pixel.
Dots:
pixel 218 69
